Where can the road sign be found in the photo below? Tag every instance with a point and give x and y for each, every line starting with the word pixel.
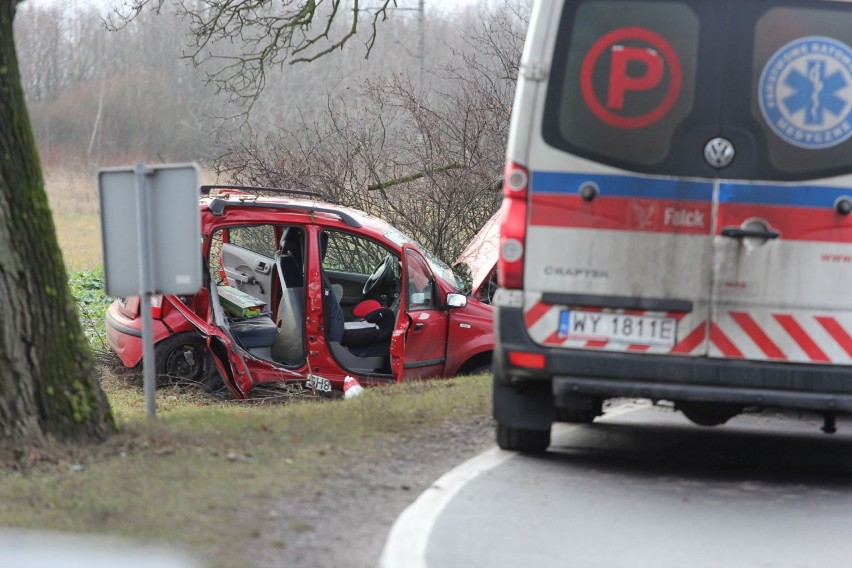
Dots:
pixel 151 233
pixel 169 204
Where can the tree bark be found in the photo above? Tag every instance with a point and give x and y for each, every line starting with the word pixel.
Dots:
pixel 48 385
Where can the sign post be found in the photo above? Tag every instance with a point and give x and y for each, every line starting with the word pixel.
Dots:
pixel 151 233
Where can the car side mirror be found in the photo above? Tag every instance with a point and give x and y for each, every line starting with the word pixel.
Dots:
pixel 456 300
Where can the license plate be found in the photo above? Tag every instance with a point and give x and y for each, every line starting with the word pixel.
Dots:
pixel 619 328
pixel 320 384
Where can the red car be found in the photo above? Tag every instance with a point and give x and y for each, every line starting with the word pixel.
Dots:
pixel 306 291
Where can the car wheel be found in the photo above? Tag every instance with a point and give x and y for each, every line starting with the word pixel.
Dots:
pixel 521 440
pixel 181 358
pixel 479 368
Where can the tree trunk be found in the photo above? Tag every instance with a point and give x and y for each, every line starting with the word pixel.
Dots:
pixel 48 385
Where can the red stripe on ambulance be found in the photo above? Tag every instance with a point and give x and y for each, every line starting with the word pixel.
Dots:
pixel 535 313
pixel 837 333
pixel 757 335
pixel 692 340
pixel 801 337
pixel 724 343
pixel 677 216
pixel 794 223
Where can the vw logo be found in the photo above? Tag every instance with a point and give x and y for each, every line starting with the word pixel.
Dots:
pixel 719 152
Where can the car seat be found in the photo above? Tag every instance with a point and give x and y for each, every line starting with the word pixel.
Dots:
pixel 289 345
pixel 370 335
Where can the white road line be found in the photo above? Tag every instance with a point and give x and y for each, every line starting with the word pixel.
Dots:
pixel 407 540
pixel 406 544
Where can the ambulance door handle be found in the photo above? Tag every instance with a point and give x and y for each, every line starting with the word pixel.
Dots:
pixel 738 233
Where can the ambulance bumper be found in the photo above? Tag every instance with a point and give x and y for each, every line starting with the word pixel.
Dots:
pixel 576 372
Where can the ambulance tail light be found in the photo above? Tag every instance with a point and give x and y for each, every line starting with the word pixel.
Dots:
pixel 526 360
pixel 513 229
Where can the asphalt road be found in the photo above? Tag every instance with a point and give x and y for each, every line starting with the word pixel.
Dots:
pixel 648 488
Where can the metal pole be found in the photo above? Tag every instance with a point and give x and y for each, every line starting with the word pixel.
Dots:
pixel 145 289
pixel 421 16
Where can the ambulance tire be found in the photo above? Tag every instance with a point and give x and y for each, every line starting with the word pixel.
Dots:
pixel 521 440
pixel 708 414
pixel 523 413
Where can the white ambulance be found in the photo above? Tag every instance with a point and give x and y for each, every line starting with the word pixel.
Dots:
pixel 675 223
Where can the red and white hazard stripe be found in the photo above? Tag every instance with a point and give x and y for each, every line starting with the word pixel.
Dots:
pixel 810 337
pixel 801 336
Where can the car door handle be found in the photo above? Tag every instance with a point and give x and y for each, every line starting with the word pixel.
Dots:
pixel 262 267
pixel 418 326
pixel 738 233
pixel 239 276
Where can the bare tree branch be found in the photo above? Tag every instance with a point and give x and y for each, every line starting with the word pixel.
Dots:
pixel 239 40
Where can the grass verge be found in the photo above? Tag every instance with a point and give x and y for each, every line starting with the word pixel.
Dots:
pixel 198 474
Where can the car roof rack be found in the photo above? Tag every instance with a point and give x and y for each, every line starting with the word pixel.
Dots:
pixel 217 206
pixel 206 189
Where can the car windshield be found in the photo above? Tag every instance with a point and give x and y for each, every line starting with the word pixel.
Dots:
pixel 438 266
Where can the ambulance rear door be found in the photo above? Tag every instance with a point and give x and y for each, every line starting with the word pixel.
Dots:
pixel 783 244
pixel 621 197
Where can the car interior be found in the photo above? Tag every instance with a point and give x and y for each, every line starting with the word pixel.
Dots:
pixel 259 290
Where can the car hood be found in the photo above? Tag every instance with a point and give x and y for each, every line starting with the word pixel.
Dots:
pixel 481 254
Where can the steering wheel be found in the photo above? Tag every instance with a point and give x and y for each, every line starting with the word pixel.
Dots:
pixel 381 276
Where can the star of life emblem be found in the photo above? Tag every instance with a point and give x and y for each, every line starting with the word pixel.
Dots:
pixel 805 92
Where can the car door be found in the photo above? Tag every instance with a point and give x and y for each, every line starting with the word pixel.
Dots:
pixel 247 260
pixel 419 343
pixel 782 250
pixel 226 354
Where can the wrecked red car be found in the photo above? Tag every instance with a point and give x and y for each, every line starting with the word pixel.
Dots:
pixel 305 291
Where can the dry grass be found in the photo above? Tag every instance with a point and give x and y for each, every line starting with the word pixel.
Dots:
pixel 208 472
pixel 73 198
pixel 72 191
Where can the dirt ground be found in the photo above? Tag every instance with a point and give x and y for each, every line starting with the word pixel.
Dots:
pixel 346 523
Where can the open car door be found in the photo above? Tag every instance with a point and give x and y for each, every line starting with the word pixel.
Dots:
pixel 231 366
pixel 419 343
pixel 230 358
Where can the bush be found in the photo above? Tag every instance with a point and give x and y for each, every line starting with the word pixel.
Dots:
pixel 87 287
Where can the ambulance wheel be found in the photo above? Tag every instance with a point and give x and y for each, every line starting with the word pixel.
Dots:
pixel 708 414
pixel 181 358
pixel 521 440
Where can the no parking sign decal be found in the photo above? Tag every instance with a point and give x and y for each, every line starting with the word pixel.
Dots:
pixel 631 78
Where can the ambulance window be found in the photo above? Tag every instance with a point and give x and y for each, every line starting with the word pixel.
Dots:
pixel 802 68
pixel 625 82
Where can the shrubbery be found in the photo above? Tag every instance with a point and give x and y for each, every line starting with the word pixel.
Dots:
pixel 87 287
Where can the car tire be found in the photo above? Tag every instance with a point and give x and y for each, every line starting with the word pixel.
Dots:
pixel 182 358
pixel 522 440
